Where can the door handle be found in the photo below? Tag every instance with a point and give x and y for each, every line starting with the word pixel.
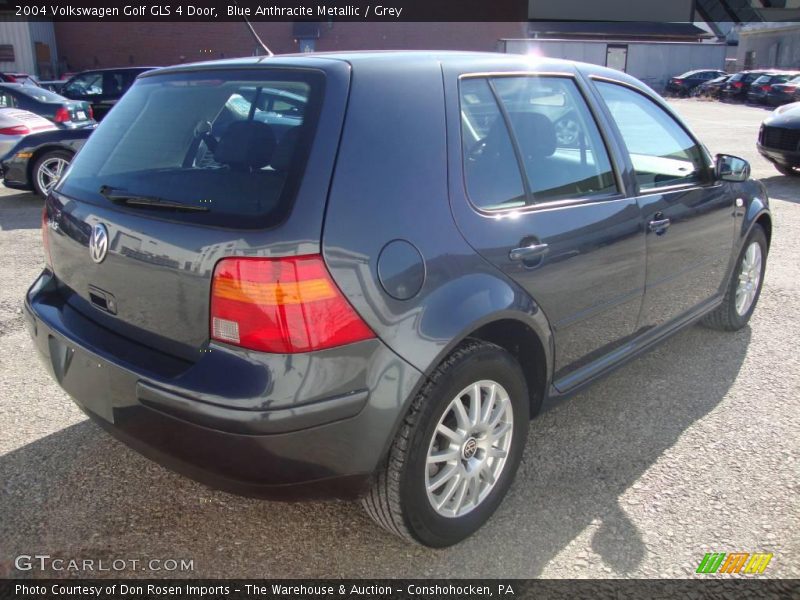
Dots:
pixel 659 226
pixel 528 252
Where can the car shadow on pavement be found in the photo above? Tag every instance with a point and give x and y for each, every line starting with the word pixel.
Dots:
pixel 79 493
pixel 19 210
pixel 783 187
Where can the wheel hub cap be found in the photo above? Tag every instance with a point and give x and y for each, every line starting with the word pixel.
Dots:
pixel 469 448
pixel 749 278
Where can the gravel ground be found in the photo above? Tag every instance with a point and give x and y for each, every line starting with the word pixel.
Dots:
pixel 692 448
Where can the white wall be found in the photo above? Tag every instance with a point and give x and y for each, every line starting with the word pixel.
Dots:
pixel 652 62
pixel 22 35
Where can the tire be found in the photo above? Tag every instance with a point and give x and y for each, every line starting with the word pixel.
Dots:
pixel 784 170
pixel 49 161
pixel 399 500
pixel 726 317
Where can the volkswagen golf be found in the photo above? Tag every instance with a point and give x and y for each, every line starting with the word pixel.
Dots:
pixel 360 275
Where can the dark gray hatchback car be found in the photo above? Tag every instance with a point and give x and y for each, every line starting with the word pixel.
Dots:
pixel 360 275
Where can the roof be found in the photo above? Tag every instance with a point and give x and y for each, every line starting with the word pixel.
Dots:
pixel 617 30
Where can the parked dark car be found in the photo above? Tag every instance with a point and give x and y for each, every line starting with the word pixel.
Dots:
pixel 738 85
pixel 682 85
pixel 779 139
pixel 784 93
pixel 761 87
pixel 39 159
pixel 68 114
pixel 102 88
pixel 711 89
pixel 373 302
pixel 54 85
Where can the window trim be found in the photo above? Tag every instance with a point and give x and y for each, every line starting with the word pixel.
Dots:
pixel 703 150
pixel 530 206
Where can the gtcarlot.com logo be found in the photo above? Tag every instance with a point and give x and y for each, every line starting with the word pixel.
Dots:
pixel 734 562
pixel 45 562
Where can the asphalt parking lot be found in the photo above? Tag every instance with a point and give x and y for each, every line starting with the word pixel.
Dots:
pixel 693 448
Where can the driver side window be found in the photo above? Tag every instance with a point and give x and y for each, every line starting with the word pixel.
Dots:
pixel 90 84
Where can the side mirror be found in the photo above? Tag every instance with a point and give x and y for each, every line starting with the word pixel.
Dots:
pixel 731 168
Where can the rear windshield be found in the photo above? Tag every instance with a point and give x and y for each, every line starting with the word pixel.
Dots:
pixel 41 94
pixel 763 79
pixel 230 145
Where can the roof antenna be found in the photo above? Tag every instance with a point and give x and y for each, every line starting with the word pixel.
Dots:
pixel 255 35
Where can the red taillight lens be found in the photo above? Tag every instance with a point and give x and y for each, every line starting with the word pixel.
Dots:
pixel 90 112
pixel 45 240
pixel 281 305
pixel 677 81
pixel 738 84
pixel 15 130
pixel 62 115
pixel 766 88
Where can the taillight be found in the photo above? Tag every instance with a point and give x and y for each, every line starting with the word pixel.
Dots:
pixel 281 305
pixel 789 88
pixel 45 239
pixel 738 84
pixel 766 88
pixel 677 81
pixel 90 112
pixel 15 130
pixel 62 115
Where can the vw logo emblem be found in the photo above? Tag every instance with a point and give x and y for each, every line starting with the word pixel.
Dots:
pixel 98 243
pixel 470 448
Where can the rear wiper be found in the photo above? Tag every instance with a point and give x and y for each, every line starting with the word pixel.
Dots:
pixel 120 196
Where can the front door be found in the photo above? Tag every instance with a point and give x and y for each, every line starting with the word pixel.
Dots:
pixel 534 192
pixel 688 216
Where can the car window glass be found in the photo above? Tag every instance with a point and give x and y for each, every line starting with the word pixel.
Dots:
pixel 113 84
pixel 762 79
pixel 560 145
pixel 200 138
pixel 491 171
pixel 661 151
pixel 6 100
pixel 42 95
pixel 89 84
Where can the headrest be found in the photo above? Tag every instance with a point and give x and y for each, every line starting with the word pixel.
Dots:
pixel 246 144
pixel 282 157
pixel 536 134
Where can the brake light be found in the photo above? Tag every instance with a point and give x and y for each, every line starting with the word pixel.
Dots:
pixel 677 81
pixel 281 305
pixel 62 115
pixel 766 88
pixel 789 88
pixel 738 84
pixel 90 112
pixel 45 240
pixel 15 130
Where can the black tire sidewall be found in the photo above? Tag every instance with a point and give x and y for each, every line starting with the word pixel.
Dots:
pixel 430 528
pixel 35 171
pixel 739 321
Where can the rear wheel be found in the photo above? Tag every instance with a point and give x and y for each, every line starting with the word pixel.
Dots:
pixel 48 169
pixel 744 287
pixel 457 450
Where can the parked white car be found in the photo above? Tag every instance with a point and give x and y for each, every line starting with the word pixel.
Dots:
pixel 15 124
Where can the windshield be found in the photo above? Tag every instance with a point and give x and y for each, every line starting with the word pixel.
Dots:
pixel 232 143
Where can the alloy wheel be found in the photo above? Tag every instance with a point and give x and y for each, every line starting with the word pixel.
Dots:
pixel 749 278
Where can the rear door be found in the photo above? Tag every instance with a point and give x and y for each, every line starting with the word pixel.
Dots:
pixel 535 194
pixel 688 215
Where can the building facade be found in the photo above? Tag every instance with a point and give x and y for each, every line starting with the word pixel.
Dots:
pixel 28 47
pixel 769 45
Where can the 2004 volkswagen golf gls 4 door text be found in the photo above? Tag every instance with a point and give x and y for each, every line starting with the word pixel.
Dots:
pixel 360 275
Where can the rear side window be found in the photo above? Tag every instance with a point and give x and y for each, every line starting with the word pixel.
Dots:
pixel 661 151
pixel 555 142
pixel 226 144
pixel 491 171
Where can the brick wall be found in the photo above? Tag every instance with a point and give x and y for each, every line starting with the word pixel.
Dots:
pixel 90 45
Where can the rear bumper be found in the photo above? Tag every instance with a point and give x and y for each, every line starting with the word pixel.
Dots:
pixel 317 425
pixel 782 157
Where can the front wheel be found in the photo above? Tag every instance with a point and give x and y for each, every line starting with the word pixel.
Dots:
pixel 745 285
pixel 48 169
pixel 457 450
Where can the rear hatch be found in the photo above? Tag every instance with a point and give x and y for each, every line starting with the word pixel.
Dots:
pixel 190 167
